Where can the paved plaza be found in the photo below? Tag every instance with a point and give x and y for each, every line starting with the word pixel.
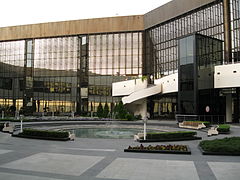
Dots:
pixel 99 159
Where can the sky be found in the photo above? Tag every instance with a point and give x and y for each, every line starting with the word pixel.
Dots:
pixel 20 12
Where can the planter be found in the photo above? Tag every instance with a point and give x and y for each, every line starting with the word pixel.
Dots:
pixel 166 140
pixel 226 146
pixel 38 137
pixel 142 149
pixel 217 153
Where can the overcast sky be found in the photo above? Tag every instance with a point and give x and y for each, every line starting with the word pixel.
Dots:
pixel 19 12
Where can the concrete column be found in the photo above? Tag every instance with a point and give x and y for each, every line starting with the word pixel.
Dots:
pixel 229 108
pixel 227 31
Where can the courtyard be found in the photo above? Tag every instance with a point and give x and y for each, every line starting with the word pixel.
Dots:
pixel 99 159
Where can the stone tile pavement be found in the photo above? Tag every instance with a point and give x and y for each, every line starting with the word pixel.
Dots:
pixel 104 159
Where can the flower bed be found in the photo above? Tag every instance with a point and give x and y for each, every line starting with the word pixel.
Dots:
pixel 206 123
pixel 226 146
pixel 170 136
pixel 173 149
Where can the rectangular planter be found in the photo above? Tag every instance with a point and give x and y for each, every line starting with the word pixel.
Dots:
pixel 166 140
pixel 217 153
pixel 38 137
pixel 158 151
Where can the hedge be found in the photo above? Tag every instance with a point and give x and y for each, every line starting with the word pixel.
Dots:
pixel 1 126
pixel 15 120
pixel 223 128
pixel 171 135
pixel 6 119
pixel 227 145
pixel 45 133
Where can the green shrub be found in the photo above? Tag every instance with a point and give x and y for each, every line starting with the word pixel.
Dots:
pixel 226 145
pixel 130 117
pixel 1 126
pixel 223 128
pixel 100 111
pixel 120 111
pixel 105 110
pixel 6 119
pixel 138 117
pixel 171 135
pixel 45 133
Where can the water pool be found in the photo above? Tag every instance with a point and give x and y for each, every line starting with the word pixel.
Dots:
pixel 107 133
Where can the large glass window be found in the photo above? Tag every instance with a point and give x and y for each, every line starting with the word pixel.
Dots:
pixel 112 57
pixel 162 41
pixel 11 73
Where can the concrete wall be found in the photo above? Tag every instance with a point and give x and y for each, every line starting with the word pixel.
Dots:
pixel 125 88
pixel 85 26
pixel 142 93
pixel 227 76
pixel 169 83
pixel 170 10
pixel 138 107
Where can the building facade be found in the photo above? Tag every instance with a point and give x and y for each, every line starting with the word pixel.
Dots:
pixel 71 66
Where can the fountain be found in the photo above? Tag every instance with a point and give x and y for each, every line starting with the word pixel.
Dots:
pixel 105 132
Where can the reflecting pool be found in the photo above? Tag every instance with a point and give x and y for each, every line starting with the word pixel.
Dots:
pixel 106 133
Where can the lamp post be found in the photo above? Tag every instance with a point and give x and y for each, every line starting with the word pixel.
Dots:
pixel 145 127
pixel 21 125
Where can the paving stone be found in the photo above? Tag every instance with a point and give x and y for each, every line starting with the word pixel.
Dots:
pixel 55 163
pixel 3 151
pixel 225 170
pixel 136 169
pixel 8 176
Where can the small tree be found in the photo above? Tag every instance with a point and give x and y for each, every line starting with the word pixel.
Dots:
pixel 105 110
pixel 100 111
pixel 120 111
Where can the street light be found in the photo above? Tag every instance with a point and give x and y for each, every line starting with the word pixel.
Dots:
pixel 144 127
pixel 21 125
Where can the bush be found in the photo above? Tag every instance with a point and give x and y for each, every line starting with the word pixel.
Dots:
pixel 45 133
pixel 105 110
pixel 138 117
pixel 223 128
pixel 171 135
pixel 6 119
pixel 1 126
pixel 226 145
pixel 120 111
pixel 129 117
pixel 100 111
pixel 15 120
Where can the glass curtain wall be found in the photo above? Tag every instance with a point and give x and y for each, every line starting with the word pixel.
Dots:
pixel 112 57
pixel 163 48
pixel 55 74
pixel 235 10
pixel 161 42
pixel 11 75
